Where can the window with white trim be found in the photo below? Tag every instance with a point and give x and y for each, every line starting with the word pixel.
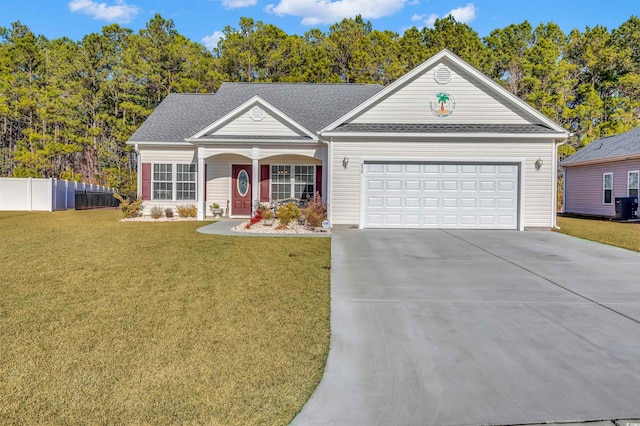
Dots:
pixel 174 182
pixel 163 181
pixel 293 181
pixel 185 181
pixel 607 188
pixel 632 186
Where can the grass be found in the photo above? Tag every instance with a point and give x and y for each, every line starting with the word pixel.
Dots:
pixel 154 323
pixel 625 235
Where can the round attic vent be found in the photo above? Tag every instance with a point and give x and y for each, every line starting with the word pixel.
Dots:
pixel 257 113
pixel 442 75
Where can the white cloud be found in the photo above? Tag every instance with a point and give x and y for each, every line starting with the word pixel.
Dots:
pixel 211 41
pixel 463 14
pixel 314 12
pixel 120 12
pixel 235 4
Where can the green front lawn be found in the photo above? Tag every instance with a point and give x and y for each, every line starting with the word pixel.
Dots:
pixel 154 323
pixel 625 235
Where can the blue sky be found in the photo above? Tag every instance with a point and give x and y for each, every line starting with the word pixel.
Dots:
pixel 203 20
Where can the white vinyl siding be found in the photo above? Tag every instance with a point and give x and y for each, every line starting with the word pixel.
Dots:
pixel 607 188
pixel 410 104
pixel 537 195
pixel 168 155
pixel 247 126
pixel 632 184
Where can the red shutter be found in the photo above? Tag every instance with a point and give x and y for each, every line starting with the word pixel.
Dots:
pixel 318 180
pixel 205 182
pixel 264 182
pixel 146 181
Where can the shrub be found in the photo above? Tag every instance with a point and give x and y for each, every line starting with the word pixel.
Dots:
pixel 287 213
pixel 215 206
pixel 156 212
pixel 187 210
pixel 257 217
pixel 268 214
pixel 316 211
pixel 127 207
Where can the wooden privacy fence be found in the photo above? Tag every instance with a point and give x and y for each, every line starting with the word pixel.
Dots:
pixel 33 194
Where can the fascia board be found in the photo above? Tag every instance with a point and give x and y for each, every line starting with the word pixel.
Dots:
pixel 447 135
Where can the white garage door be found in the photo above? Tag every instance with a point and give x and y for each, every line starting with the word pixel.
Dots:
pixel 424 195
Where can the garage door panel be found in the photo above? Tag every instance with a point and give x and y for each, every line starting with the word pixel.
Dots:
pixel 375 185
pixel 449 185
pixel 428 195
pixel 412 202
pixel 394 202
pixel 412 185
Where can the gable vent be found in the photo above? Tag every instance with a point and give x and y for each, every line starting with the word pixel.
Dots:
pixel 257 113
pixel 442 75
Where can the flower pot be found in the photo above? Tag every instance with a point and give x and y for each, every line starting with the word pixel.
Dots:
pixel 302 220
pixel 168 213
pixel 217 213
pixel 268 222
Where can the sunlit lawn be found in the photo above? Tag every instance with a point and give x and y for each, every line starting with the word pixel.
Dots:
pixel 625 235
pixel 154 323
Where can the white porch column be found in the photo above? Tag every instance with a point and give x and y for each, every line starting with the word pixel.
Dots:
pixel 325 173
pixel 202 208
pixel 329 176
pixel 255 177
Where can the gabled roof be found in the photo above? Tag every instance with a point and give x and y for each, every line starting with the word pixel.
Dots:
pixel 313 106
pixel 488 84
pixel 209 131
pixel 618 147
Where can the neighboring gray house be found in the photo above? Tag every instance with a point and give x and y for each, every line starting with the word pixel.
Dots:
pixel 601 171
pixel 444 146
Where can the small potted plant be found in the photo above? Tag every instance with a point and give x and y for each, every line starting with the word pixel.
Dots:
pixel 267 217
pixel 168 212
pixel 216 211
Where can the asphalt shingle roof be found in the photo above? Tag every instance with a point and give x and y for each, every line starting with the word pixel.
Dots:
pixel 621 145
pixel 442 128
pixel 313 106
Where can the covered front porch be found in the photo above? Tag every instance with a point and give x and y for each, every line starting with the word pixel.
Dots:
pixel 238 178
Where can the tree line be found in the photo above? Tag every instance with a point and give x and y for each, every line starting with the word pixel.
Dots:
pixel 67 108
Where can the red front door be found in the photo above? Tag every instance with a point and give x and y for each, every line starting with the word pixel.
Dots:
pixel 240 190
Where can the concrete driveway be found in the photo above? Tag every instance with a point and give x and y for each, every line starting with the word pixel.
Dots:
pixel 478 327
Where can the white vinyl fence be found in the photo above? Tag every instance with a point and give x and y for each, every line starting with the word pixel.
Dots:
pixel 42 194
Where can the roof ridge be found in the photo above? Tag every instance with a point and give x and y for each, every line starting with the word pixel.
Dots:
pixel 298 83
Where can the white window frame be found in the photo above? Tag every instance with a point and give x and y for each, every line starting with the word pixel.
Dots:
pixel 194 181
pixel 292 179
pixel 174 181
pixel 604 189
pixel 629 173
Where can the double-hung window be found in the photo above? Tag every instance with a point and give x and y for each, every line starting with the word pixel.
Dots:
pixel 607 188
pixel 174 182
pixel 186 182
pixel 292 181
pixel 632 187
pixel 163 181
